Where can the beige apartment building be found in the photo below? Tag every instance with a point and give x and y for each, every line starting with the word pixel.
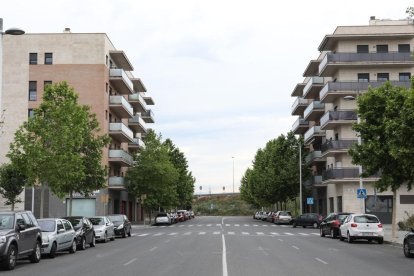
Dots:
pixel 102 76
pixel 351 59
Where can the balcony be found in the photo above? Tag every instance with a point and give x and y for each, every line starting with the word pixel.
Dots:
pixel 136 144
pixel 312 69
pixel 148 116
pixel 332 119
pixel 314 156
pixel 313 133
pixel 138 102
pixel 121 158
pixel 137 124
pixel 315 180
pixel 120 81
pixel 298 90
pixel 300 126
pixel 332 147
pixel 148 100
pixel 116 182
pixel 299 106
pixel 120 132
pixel 120 106
pixel 333 61
pixel 334 90
pixel 345 174
pixel 314 111
pixel 121 60
pixel 312 88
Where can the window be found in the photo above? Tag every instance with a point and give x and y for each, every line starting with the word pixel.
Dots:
pixel 60 225
pixel 67 225
pixel 106 87
pixel 331 204
pixel 46 83
pixel 362 48
pixel 383 77
pixel 339 203
pixel 382 48
pixel 27 220
pixel 405 76
pixel 19 220
pixel 403 48
pixel 30 113
pixel 363 77
pixel 406 199
pixel 32 90
pixel 48 58
pixel 33 58
pixel 106 60
pixel 34 221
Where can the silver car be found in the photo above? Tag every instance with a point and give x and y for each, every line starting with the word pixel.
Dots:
pixel 104 228
pixel 57 235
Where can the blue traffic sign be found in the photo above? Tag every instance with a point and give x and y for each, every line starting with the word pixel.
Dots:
pixel 361 193
pixel 309 200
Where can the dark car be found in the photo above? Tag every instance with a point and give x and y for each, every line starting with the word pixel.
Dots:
pixel 409 244
pixel 85 234
pixel 122 225
pixel 20 236
pixel 330 225
pixel 307 219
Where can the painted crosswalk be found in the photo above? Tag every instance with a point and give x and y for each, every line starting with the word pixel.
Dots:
pixel 229 233
pixel 227 225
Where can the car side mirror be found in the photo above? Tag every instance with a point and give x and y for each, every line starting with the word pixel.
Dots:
pixel 21 227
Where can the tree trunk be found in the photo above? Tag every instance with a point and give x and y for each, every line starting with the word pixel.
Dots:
pixel 70 203
pixel 394 215
pixel 12 206
pixel 42 199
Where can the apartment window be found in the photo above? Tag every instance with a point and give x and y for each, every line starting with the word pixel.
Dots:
pixel 106 60
pixel 362 48
pixel 106 87
pixel 33 58
pixel 30 113
pixel 331 205
pixel 404 76
pixel 48 58
pixel 383 48
pixel 363 77
pixel 106 114
pixel 383 77
pixel 403 48
pixel 32 90
pixel 46 83
pixel 339 204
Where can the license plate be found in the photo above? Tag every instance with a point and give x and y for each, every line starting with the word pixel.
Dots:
pixel 368 234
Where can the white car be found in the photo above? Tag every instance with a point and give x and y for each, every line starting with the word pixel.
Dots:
pixel 163 218
pixel 57 235
pixel 104 228
pixel 361 226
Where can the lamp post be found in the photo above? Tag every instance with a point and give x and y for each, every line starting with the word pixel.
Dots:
pixel 300 177
pixel 233 173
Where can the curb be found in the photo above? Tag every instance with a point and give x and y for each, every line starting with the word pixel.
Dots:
pixel 396 244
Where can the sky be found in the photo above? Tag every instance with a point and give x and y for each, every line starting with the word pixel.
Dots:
pixel 221 72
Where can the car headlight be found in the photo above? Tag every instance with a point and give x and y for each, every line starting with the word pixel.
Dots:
pixel 45 239
pixel 120 227
pixel 3 239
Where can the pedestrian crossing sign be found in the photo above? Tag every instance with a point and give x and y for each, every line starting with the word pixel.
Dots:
pixel 361 193
pixel 309 200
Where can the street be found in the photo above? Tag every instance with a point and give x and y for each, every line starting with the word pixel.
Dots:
pixel 233 246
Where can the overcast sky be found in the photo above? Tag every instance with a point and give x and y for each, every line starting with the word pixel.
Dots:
pixel 220 72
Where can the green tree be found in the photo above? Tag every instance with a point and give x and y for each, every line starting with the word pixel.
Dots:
pixel 60 145
pixel 12 182
pixel 153 175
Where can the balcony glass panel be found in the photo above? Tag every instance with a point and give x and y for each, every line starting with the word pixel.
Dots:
pixel 137 119
pixel 123 101
pixel 338 115
pixel 116 181
pixel 300 122
pixel 312 106
pixel 315 130
pixel 121 127
pixel 312 81
pixel 338 144
pixel 121 154
pixel 137 97
pixel 313 155
pixel 118 72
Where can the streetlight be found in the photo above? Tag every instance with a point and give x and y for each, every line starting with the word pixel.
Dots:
pixel 300 176
pixel 361 184
pixel 233 172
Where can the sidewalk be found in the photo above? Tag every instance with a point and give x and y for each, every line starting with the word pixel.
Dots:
pixel 388 235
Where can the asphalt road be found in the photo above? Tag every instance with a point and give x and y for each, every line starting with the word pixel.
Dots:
pixel 229 246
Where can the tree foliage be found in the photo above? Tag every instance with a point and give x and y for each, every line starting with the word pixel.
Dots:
pixel 12 182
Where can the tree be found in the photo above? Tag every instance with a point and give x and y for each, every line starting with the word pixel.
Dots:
pixel 153 175
pixel 386 127
pixel 12 182
pixel 60 146
pixel 410 12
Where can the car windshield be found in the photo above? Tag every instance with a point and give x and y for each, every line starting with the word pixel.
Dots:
pixel 116 218
pixel 47 225
pixel 6 221
pixel 97 221
pixel 366 219
pixel 161 215
pixel 76 222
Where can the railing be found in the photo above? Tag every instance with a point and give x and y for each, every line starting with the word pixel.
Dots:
pixel 315 130
pixel 139 142
pixel 338 144
pixel 137 97
pixel 118 72
pixel 121 127
pixel 314 180
pixel 148 114
pixel 121 154
pixel 137 119
pixel 340 173
pixel 123 101
pixel 312 81
pixel 300 122
pixel 312 156
pixel 338 115
pixel 299 101
pixel 116 181
pixel 312 106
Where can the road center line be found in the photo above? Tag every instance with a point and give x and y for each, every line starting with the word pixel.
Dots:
pixel 322 261
pixel 130 262
pixel 224 258
pixel 297 248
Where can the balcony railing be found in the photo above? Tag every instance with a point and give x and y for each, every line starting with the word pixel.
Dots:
pixel 137 142
pixel 314 180
pixel 300 122
pixel 312 82
pixel 122 156
pixel 116 182
pixel 338 145
pixel 137 97
pixel 338 115
pixel 120 73
pixel 313 156
pixel 119 100
pixel 120 127
pixel 148 116
pixel 312 132
pixel 340 173
pixel 313 106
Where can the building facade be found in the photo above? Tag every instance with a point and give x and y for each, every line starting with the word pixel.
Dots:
pixel 352 59
pixel 103 78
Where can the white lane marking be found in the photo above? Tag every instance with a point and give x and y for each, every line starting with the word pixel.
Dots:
pixel 264 225
pixel 227 224
pixel 245 233
pixel 255 225
pixel 152 249
pixel 187 233
pixel 130 262
pixel 190 225
pixel 280 240
pixel 218 224
pixel 259 233
pixel 285 225
pixel 208 225
pixel 247 225
pixel 224 258
pixel 303 234
pixel 289 234
pixel 297 248
pixel 162 226
pixel 172 234
pixel 316 234
pixel 273 225
pixel 202 233
pixel 237 225
pixel 158 234
pixel 133 235
pixel 230 233
pixel 322 261
pixel 216 233
pixel 143 235
pixel 274 233
pixel 199 225
pixel 181 226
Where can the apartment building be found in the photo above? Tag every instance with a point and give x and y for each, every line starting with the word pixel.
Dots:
pixel 103 77
pixel 351 59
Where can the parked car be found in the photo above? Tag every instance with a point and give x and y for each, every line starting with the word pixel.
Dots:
pixel 362 226
pixel 270 217
pixel 182 215
pixel 174 217
pixel 104 228
pixel 84 231
pixel 57 235
pixel 122 225
pixel 163 218
pixel 307 219
pixel 20 236
pixel 330 225
pixel 408 244
pixel 283 217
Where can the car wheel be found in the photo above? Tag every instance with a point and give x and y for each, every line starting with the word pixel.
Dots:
pixel 124 233
pixel 294 225
pixel 105 238
pixel 333 235
pixel 93 242
pixel 349 238
pixel 72 249
pixel 322 233
pixel 369 240
pixel 340 237
pixel 407 249
pixel 36 255
pixel 10 261
pixel 82 246
pixel 52 253
pixel 129 232
pixel 380 241
pixel 315 225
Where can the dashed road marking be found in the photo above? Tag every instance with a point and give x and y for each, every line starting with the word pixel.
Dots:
pixel 143 235
pixel 289 234
pixel 297 248
pixel 187 233
pixel 230 233
pixel 322 261
pixel 216 233
pixel 245 233
pixel 259 233
pixel 172 234
pixel 202 233
pixel 274 233
pixel 130 262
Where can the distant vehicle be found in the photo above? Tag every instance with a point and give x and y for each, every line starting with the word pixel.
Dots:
pixel 270 217
pixel 182 215
pixel 362 226
pixel 122 225
pixel 283 217
pixel 409 244
pixel 307 219
pixel 163 218
pixel 84 231
pixel 20 236
pixel 104 228
pixel 330 225
pixel 57 235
